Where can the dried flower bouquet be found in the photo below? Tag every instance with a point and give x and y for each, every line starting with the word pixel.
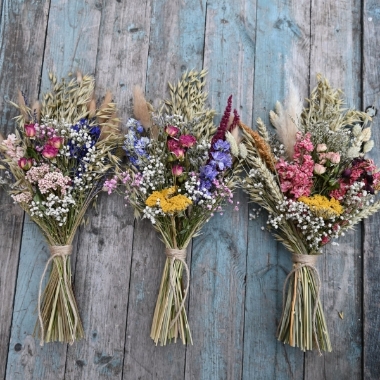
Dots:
pixel 53 166
pixel 315 182
pixel 180 171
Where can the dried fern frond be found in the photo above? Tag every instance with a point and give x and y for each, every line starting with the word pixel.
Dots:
pixel 187 99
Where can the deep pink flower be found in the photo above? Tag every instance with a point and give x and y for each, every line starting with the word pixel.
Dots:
pixel 25 163
pixel 325 240
pixel 171 130
pixel 30 130
pixel 179 153
pixel 187 141
pixel 177 170
pixel 55 142
pixel 173 145
pixel 49 151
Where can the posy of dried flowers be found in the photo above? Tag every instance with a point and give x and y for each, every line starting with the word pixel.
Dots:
pixel 180 171
pixel 53 166
pixel 315 182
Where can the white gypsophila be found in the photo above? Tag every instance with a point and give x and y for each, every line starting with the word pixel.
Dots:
pixel 151 213
pixel 153 174
pixel 313 227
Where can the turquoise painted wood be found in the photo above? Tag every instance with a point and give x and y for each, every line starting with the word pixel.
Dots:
pixel 253 50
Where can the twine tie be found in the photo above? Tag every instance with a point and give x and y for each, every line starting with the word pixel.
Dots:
pixel 299 262
pixel 57 251
pixel 180 255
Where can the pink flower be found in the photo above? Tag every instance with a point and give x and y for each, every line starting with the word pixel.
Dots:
pixel 179 153
pixel 177 170
pixel 325 240
pixel 321 148
pixel 55 142
pixel 171 130
pixel 49 151
pixel 319 169
pixel 333 157
pixel 187 141
pixel 30 130
pixel 173 144
pixel 25 163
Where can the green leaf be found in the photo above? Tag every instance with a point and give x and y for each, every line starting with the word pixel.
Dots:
pixel 31 153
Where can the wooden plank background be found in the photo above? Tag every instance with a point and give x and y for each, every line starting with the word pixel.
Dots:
pixel 253 49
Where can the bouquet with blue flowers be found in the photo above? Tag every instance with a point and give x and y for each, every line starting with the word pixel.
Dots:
pixel 53 166
pixel 180 171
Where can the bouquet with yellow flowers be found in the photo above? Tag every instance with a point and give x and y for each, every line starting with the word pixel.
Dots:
pixel 180 171
pixel 315 182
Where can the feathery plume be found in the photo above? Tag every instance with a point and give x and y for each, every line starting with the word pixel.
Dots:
pixel 285 121
pixel 141 108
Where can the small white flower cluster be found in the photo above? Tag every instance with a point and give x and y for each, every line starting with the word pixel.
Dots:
pixel 53 206
pixel 151 213
pixel 153 174
pixel 198 195
pixel 313 228
pixel 255 213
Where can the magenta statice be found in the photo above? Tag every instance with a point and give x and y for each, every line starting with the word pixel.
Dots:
pixel 53 166
pixel 178 175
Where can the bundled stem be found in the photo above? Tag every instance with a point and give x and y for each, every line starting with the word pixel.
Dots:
pixel 170 318
pixel 302 322
pixel 59 318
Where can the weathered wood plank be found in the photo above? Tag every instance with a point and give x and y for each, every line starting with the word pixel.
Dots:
pixel 105 275
pixel 176 44
pixel 371 286
pixel 335 52
pixel 17 50
pixel 216 308
pixel 71 43
pixel 282 58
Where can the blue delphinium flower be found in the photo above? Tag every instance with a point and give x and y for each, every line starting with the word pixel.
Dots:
pixel 208 172
pixel 221 160
pixel 222 146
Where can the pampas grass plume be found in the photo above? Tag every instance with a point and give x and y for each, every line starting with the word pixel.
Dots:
pixel 140 108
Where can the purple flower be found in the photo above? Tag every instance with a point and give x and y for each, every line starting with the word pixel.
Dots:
pixel 222 146
pixel 221 160
pixel 208 172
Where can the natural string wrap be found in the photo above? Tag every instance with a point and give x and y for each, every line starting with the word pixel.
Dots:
pixel 58 251
pixel 304 261
pixel 180 255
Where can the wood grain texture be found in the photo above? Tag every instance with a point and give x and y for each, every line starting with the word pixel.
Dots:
pixel 371 284
pixel 103 277
pixel 335 52
pixel 70 28
pixel 282 58
pixel 253 50
pixel 216 308
pixel 15 73
pixel 170 37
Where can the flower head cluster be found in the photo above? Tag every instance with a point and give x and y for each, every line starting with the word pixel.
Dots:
pixel 168 202
pixel 296 179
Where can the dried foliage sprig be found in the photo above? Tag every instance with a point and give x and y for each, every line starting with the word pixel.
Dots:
pixel 313 191
pixel 53 166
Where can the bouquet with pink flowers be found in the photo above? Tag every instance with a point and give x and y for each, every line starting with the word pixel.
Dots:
pixel 180 171
pixel 315 182
pixel 53 166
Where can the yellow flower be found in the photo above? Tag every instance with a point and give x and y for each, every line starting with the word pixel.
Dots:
pixel 322 206
pixel 168 203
